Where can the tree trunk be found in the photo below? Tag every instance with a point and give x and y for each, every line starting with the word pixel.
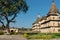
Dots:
pixel 3 27
pixel 7 27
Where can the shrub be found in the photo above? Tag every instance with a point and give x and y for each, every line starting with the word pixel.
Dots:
pixel 25 35
pixel 1 33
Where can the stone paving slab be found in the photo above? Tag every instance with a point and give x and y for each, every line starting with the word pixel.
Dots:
pixel 12 37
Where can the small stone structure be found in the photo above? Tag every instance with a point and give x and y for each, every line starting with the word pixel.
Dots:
pixel 11 30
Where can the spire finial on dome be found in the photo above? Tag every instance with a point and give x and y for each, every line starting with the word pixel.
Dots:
pixel 38 15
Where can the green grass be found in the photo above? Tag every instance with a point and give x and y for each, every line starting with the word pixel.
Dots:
pixel 43 35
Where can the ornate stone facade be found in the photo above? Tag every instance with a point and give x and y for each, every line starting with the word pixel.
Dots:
pixel 49 23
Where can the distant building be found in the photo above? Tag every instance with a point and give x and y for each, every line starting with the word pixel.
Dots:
pixel 12 30
pixel 49 23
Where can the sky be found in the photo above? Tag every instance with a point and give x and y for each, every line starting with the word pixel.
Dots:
pixel 36 7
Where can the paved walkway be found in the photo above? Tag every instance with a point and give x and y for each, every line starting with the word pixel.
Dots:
pixel 12 37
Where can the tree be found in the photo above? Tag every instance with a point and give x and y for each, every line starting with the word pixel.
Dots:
pixel 9 10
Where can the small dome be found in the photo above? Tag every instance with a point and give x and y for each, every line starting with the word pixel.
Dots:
pixel 38 19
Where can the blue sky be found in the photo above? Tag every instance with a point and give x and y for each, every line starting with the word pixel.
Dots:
pixel 35 7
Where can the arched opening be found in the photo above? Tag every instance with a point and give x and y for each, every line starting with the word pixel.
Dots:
pixel 12 31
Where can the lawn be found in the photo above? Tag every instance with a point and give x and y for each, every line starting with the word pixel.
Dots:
pixel 42 35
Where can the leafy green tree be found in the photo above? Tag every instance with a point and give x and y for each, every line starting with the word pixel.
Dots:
pixel 9 10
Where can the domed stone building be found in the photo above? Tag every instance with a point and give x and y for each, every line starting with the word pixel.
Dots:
pixel 49 23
